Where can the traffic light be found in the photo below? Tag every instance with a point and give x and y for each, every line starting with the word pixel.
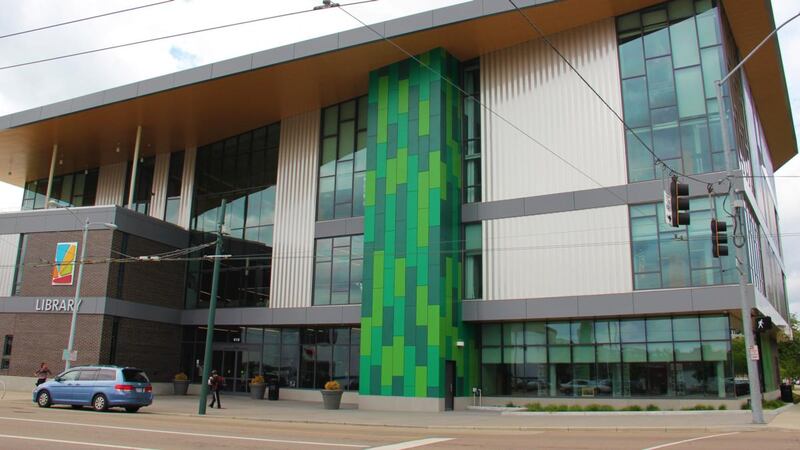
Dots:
pixel 719 238
pixel 676 203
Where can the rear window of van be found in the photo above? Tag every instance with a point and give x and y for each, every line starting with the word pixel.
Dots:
pixel 134 376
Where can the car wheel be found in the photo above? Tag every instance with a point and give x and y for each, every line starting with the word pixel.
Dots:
pixel 99 403
pixel 132 409
pixel 43 399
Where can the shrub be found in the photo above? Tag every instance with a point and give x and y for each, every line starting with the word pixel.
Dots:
pixel 765 404
pixel 699 408
pixel 258 379
pixel 332 386
pixel 631 408
pixel 510 405
pixel 533 407
pixel 795 397
pixel 653 408
pixel 596 408
pixel 556 408
pixel 576 408
pixel 722 407
pixel 180 376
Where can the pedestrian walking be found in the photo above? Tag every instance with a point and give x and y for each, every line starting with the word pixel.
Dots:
pixel 215 383
pixel 42 373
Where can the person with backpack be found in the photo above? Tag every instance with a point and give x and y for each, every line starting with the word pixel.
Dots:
pixel 215 384
pixel 42 373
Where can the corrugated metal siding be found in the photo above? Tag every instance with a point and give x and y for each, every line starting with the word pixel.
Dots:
pixel 553 255
pixel 9 247
pixel 532 88
pixel 295 208
pixel 111 184
pixel 187 186
pixel 160 175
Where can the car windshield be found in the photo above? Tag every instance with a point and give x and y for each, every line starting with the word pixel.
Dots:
pixel 134 376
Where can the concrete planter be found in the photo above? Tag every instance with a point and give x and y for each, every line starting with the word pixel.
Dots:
pixel 257 390
pixel 180 386
pixel 331 399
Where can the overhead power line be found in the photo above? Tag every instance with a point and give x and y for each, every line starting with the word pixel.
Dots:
pixel 69 22
pixel 160 38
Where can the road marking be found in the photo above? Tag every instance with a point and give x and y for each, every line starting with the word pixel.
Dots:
pixel 183 433
pixel 411 444
pixel 689 440
pixel 59 441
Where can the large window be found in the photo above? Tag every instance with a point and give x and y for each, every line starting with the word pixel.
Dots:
pixel 343 160
pixel 338 270
pixel 667 257
pixel 243 170
pixel 5 362
pixel 73 189
pixel 670 56
pixel 683 356
pixel 19 271
pixel 174 187
pixel 472 132
pixel 143 190
pixel 473 261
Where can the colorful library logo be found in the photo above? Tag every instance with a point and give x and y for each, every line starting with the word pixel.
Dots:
pixel 64 266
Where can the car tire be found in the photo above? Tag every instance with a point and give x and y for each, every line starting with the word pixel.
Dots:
pixel 43 399
pixel 100 403
pixel 132 409
pixel 77 406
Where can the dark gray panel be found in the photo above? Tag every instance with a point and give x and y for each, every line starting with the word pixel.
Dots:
pixel 139 311
pixel 605 305
pixel 150 228
pixel 339 227
pixel 5 122
pixel 231 66
pixel 457 13
pixel 409 24
pixel 545 204
pixel 194 75
pixel 194 317
pixel 8 224
pixel 324 315
pixel 502 209
pixel 470 212
pixel 355 226
pixel 157 84
pixel 351 314
pixel 316 46
pixel 27 116
pixel 120 93
pixel 469 310
pixel 646 192
pixel 495 6
pixel 501 309
pixel 602 197
pixel 719 298
pixel 666 301
pixel 273 56
pixel 87 102
pixel 288 316
pixel 56 109
pixel 552 307
pixel 361 35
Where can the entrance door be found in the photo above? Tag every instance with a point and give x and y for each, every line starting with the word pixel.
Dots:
pixel 449 385
pixel 237 363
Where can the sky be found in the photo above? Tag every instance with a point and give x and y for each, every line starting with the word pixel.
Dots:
pixel 40 84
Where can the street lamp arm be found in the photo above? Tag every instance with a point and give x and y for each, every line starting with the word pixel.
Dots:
pixel 753 51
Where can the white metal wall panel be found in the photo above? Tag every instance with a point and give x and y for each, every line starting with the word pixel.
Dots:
pixel 552 255
pixel 187 186
pixel 9 247
pixel 160 176
pixel 295 212
pixel 529 86
pixel 111 184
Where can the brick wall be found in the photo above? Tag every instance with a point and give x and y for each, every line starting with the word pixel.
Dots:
pixel 151 346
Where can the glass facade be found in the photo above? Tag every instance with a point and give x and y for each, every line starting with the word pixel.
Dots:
pixel 174 179
pixel 19 269
pixel 472 131
pixel 5 361
pixel 667 257
pixel 72 189
pixel 143 190
pixel 670 56
pixel 473 262
pixel 681 356
pixel 243 170
pixel 343 160
pixel 296 357
pixel 338 270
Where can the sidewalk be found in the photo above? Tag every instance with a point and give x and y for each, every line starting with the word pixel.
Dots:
pixel 244 408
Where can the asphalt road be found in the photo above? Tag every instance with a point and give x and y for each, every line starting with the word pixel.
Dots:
pixel 27 426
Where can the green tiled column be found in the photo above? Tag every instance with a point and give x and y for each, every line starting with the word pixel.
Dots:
pixel 411 310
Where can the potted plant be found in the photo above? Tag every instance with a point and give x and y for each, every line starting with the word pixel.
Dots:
pixel 332 395
pixel 257 387
pixel 180 384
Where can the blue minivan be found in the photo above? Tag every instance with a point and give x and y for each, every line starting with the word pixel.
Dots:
pixel 100 387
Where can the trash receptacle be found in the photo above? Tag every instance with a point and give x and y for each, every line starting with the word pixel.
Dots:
pixel 272 393
pixel 786 393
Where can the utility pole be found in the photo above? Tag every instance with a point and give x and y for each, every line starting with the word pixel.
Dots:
pixel 212 311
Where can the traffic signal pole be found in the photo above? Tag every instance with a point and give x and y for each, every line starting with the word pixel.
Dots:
pixel 747 321
pixel 212 311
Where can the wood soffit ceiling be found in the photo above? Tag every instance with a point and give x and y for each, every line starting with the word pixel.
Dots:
pixel 205 112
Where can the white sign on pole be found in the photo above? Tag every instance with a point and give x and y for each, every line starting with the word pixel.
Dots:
pixel 667 208
pixel 69 356
pixel 754 353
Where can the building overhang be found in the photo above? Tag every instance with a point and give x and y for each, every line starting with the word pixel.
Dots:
pixel 205 104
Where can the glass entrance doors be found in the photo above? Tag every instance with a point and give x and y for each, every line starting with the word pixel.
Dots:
pixel 238 363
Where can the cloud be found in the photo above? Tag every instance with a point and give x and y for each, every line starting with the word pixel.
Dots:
pixel 185 59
